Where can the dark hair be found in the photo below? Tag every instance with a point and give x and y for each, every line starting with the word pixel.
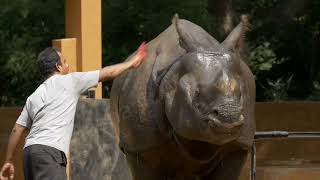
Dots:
pixel 47 61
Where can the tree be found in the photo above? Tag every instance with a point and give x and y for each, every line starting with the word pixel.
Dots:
pixel 26 27
pixel 282 48
pixel 283 45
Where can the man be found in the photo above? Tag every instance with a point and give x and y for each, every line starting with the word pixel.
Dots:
pixel 49 115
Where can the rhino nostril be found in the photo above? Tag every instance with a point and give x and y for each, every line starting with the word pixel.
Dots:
pixel 215 112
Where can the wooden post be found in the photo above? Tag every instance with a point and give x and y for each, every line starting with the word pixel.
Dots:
pixel 82 46
pixel 83 22
pixel 67 47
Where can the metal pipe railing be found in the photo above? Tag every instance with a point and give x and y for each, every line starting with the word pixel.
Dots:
pixel 270 135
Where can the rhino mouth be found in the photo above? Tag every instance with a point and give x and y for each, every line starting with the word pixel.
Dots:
pixel 221 126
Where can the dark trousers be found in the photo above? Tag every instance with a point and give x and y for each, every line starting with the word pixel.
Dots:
pixel 44 163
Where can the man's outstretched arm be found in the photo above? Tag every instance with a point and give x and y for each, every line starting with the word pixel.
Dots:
pixel 7 170
pixel 110 72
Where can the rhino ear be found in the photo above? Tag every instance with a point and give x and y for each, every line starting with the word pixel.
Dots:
pixel 192 37
pixel 185 40
pixel 235 40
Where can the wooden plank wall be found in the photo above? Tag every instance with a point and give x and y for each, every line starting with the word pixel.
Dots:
pixel 8 117
pixel 297 159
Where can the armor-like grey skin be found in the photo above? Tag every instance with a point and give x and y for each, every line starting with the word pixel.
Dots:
pixel 188 111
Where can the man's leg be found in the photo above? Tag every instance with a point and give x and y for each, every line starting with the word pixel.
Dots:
pixel 44 163
pixel 27 164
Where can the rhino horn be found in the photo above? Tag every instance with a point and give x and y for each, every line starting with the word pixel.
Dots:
pixel 235 40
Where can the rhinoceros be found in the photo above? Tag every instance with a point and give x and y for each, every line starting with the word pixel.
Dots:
pixel 188 111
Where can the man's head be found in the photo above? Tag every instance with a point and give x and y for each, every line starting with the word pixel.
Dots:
pixel 51 61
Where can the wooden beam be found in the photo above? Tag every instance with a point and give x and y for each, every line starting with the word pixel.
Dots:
pixel 83 22
pixel 67 47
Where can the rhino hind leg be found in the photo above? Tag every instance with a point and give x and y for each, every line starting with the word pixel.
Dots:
pixel 230 167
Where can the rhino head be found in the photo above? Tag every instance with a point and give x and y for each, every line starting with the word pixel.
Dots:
pixel 203 91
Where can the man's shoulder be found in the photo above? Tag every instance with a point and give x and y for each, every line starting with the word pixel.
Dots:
pixel 36 93
pixel 80 76
pixel 74 76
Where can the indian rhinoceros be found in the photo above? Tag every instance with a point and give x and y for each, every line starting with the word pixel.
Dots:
pixel 188 111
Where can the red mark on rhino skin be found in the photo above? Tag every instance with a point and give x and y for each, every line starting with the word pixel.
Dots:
pixel 142 50
pixel 141 53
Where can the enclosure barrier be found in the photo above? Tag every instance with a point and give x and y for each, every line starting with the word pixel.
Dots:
pixel 270 135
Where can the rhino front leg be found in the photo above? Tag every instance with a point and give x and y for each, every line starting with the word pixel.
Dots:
pixel 230 166
pixel 140 170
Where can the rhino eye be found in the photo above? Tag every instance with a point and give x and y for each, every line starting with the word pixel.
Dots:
pixel 196 93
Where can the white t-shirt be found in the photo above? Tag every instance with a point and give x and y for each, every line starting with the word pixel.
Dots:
pixel 49 112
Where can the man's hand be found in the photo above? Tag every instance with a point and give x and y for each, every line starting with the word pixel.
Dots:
pixel 140 56
pixel 7 171
pixel 110 72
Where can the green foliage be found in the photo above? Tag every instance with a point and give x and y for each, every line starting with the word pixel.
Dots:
pixel 283 45
pixel 26 27
pixel 263 58
pixel 127 23
pixel 22 74
pixel 291 29
pixel 277 90
pixel 315 92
